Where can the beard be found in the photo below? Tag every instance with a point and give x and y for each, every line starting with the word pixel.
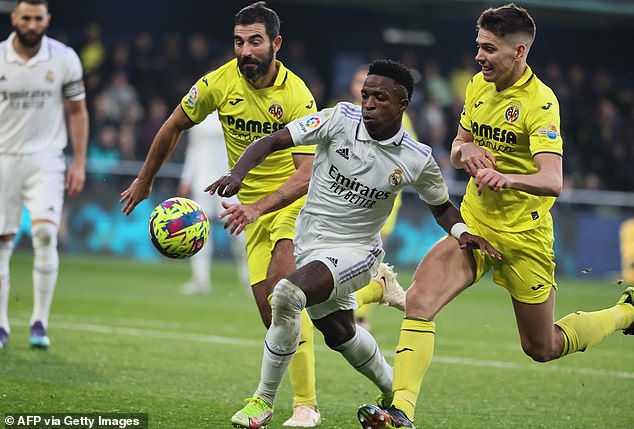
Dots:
pixel 260 69
pixel 29 39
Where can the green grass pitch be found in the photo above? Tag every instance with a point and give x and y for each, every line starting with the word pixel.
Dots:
pixel 124 340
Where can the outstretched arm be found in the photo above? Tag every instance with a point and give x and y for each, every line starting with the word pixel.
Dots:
pixel 238 216
pixel 449 218
pixel 164 143
pixel 229 184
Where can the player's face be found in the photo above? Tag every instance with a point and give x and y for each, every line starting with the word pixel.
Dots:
pixel 30 22
pixel 254 50
pixel 382 105
pixel 498 58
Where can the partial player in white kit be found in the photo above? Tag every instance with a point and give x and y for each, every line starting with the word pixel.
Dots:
pixel 206 157
pixel 363 158
pixel 39 78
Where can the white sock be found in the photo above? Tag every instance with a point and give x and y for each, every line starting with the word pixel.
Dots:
pixel 362 352
pixel 6 249
pixel 45 269
pixel 282 338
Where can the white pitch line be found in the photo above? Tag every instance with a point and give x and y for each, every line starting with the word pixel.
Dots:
pixel 215 339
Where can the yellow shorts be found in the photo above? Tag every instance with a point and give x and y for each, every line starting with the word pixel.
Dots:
pixel 264 233
pixel 390 223
pixel 527 269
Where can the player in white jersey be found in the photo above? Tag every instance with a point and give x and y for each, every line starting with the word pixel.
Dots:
pixel 205 157
pixel 40 78
pixel 363 158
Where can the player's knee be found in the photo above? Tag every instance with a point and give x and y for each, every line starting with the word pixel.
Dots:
pixel 44 234
pixel 539 353
pixel 44 239
pixel 288 300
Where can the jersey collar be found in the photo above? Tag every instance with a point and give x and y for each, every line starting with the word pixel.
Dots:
pixel 528 74
pixel 396 139
pixel 43 54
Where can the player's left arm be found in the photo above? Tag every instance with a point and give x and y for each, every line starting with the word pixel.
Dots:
pixel 449 218
pixel 78 131
pixel 238 216
pixel 547 181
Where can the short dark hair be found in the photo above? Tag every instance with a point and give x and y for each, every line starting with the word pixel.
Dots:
pixel 507 19
pixel 33 2
pixel 258 13
pixel 396 71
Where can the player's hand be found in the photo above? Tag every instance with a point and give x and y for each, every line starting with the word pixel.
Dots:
pixel 473 158
pixel 470 241
pixel 136 192
pixel 493 179
pixel 227 186
pixel 238 216
pixel 75 179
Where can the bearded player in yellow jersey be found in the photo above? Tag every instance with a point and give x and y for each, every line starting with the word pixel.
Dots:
pixel 510 144
pixel 256 95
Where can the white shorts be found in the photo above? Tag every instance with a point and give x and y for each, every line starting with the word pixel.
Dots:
pixel 35 181
pixel 351 268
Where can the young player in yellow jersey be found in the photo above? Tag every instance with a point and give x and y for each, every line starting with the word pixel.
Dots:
pixel 255 95
pixel 509 142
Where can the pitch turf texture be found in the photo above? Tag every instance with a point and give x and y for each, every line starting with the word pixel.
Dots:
pixel 124 340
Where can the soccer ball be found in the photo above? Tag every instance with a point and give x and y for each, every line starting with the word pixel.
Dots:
pixel 178 227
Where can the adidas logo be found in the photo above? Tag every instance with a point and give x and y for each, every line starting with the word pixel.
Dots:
pixel 334 261
pixel 344 152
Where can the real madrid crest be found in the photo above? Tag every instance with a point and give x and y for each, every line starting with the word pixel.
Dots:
pixel 396 178
pixel 49 76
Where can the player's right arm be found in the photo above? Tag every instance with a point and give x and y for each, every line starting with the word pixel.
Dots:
pixel 238 216
pixel 467 155
pixel 229 184
pixel 162 146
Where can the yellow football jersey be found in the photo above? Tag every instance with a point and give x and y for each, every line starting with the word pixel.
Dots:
pixel 514 125
pixel 247 114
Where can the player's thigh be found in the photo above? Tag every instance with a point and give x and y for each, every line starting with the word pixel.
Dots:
pixel 528 268
pixel 535 322
pixel 351 269
pixel 11 183
pixel 262 237
pixel 44 188
pixel 443 273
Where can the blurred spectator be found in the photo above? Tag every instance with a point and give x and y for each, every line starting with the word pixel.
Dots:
pixel 92 52
pixel 156 114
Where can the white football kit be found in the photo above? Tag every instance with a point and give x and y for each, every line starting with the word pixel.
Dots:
pixel 33 129
pixel 354 182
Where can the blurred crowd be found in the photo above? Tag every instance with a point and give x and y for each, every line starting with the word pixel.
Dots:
pixel 134 83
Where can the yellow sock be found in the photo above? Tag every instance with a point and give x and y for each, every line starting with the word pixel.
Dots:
pixel 583 330
pixel 413 356
pixel 302 368
pixel 364 312
pixel 372 292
